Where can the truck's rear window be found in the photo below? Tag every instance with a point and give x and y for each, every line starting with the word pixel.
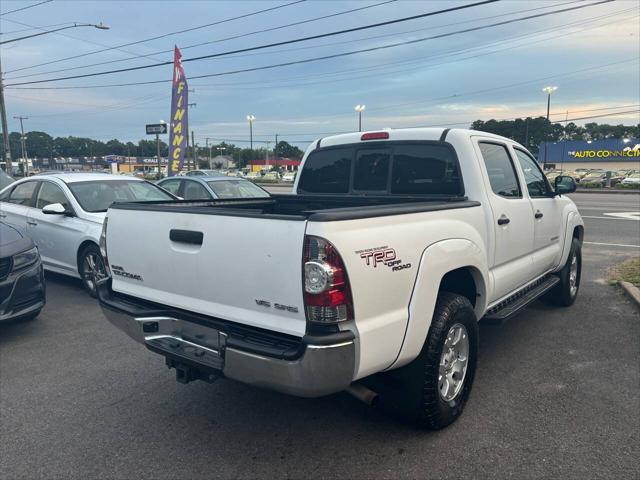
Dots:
pixel 400 168
pixel 327 171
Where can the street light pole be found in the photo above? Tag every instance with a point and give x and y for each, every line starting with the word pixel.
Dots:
pixel 360 109
pixel 3 108
pixel 251 118
pixel 23 145
pixel 206 143
pixel 99 26
pixel 548 90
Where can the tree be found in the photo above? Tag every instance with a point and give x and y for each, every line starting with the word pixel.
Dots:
pixel 285 150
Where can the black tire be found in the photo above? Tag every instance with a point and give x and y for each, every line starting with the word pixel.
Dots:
pixel 413 392
pixel 562 294
pixel 90 255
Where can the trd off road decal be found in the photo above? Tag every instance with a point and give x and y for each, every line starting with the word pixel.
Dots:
pixel 385 256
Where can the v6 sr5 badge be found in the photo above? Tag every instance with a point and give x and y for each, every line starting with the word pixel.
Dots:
pixel 384 257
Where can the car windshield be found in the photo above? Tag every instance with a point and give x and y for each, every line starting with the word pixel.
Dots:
pixel 98 195
pixel 634 175
pixel 594 175
pixel 236 189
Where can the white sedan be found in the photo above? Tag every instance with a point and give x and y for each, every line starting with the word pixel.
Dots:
pixel 63 214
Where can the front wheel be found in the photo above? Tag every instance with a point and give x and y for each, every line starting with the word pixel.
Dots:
pixel 433 389
pixel 91 268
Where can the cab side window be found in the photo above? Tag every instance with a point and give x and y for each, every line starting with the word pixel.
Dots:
pixel 50 193
pixel 171 186
pixel 502 174
pixel 22 194
pixel 195 191
pixel 537 185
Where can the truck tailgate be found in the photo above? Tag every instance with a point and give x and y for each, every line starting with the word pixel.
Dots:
pixel 246 270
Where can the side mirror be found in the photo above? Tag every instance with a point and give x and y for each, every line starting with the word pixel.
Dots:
pixel 564 184
pixel 54 209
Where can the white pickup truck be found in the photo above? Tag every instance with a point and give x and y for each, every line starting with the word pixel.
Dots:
pixel 370 279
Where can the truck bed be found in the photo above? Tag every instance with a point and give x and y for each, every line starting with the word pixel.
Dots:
pixel 317 208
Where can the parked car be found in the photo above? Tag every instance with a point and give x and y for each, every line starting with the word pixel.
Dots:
pixel 253 176
pixel 633 179
pixel 63 215
pixel 202 173
pixel 551 175
pixel 207 188
pixel 289 177
pixel 594 179
pixel 5 180
pixel 370 278
pixel 271 177
pixel 22 287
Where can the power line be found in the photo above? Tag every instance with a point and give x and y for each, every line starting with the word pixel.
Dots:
pixel 426 126
pixel 246 15
pixel 20 30
pixel 314 59
pixel 269 83
pixel 84 40
pixel 287 134
pixel 233 37
pixel 24 8
pixel 270 45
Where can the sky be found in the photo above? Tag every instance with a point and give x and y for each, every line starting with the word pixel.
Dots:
pixel 591 54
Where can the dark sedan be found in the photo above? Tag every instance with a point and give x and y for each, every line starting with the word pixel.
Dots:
pixel 22 288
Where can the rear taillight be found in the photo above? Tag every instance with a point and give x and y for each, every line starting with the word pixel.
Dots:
pixel 103 246
pixel 327 295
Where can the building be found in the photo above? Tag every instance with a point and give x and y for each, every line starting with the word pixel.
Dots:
pixel 290 164
pixel 606 154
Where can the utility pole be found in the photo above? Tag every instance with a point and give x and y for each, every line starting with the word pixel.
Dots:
pixel 23 144
pixel 195 153
pixel 5 130
pixel 158 153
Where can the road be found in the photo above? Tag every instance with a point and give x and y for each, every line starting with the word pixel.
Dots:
pixel 556 396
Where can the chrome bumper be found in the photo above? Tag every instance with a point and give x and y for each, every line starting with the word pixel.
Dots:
pixel 325 364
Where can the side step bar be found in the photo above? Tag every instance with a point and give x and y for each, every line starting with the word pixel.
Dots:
pixel 521 299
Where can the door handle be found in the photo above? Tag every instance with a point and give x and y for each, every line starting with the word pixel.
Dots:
pixel 538 214
pixel 186 236
pixel 503 220
pixel 32 223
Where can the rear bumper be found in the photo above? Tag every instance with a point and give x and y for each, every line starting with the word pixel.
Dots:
pixel 22 293
pixel 311 367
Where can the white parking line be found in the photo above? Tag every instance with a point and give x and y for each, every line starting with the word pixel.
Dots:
pixel 610 218
pixel 613 244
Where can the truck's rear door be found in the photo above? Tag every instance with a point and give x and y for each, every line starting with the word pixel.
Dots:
pixel 242 269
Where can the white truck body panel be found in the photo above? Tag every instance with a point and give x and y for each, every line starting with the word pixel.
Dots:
pixel 244 259
pixel 265 265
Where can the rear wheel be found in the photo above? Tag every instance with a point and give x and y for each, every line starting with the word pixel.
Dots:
pixel 432 390
pixel 91 268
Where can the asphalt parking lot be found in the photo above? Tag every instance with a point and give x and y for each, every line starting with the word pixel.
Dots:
pixel 556 395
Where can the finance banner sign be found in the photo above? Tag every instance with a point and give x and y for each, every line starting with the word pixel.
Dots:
pixel 179 125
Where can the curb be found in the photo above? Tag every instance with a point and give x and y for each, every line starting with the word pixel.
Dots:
pixel 620 191
pixel 632 292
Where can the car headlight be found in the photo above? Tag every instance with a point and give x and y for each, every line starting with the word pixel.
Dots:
pixel 24 259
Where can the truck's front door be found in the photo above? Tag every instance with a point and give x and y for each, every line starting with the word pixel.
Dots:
pixel 546 212
pixel 512 220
